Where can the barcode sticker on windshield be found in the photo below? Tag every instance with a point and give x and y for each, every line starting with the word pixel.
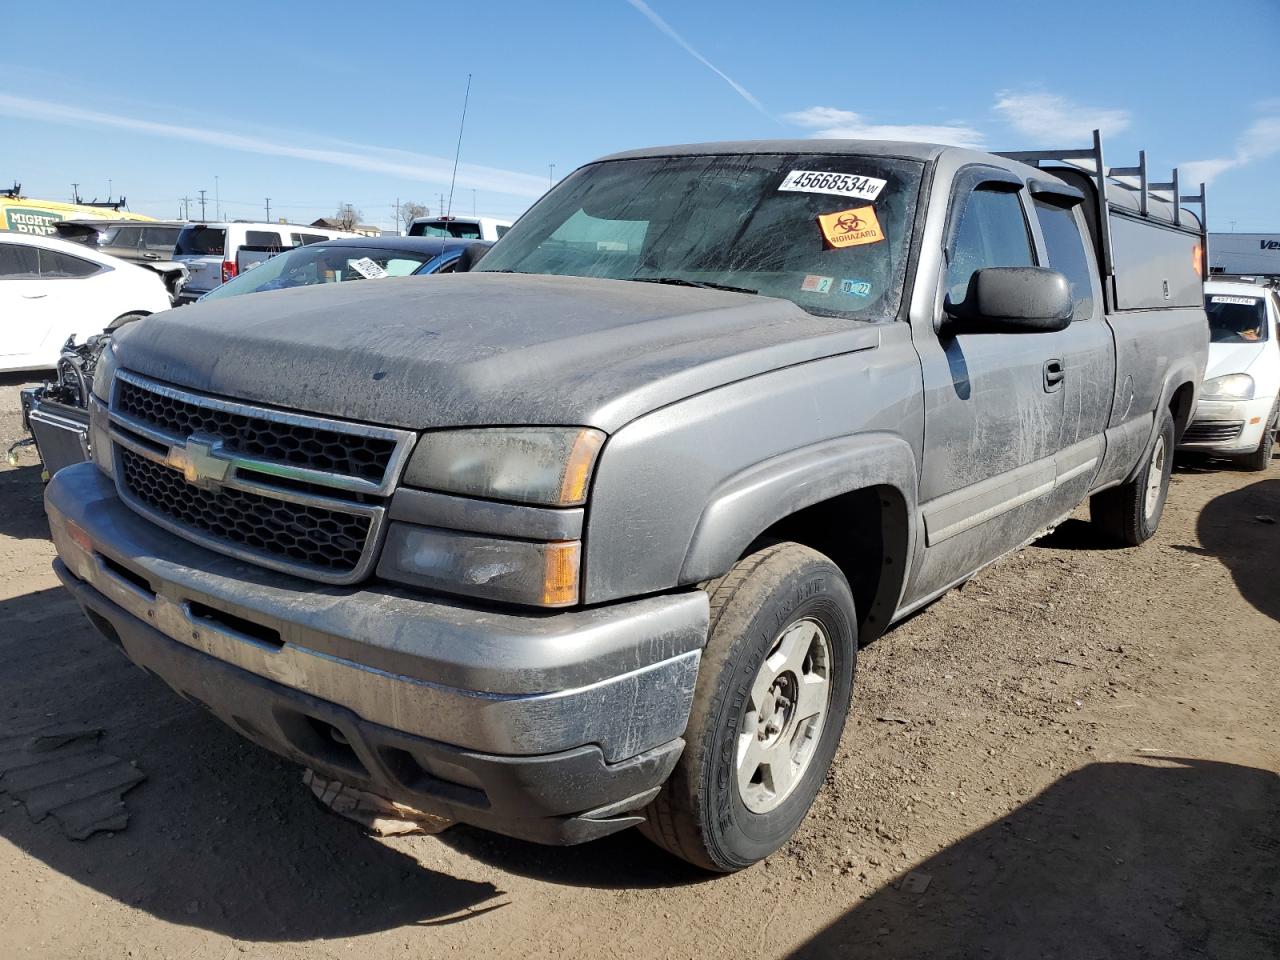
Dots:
pixel 836 184
pixel 367 268
pixel 1242 301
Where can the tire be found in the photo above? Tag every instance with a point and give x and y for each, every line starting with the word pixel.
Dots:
pixel 793 602
pixel 1260 459
pixel 1130 513
pixel 119 322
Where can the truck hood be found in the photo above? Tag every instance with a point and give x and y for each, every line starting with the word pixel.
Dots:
pixel 481 348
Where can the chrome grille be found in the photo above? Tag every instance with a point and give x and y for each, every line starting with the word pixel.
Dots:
pixel 272 440
pixel 330 541
pixel 292 492
pixel 1213 431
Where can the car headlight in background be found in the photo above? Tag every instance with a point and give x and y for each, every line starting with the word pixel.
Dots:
pixel 104 372
pixel 548 466
pixel 1234 386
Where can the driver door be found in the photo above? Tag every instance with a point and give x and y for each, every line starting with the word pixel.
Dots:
pixel 994 402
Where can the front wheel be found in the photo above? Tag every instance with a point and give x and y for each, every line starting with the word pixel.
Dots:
pixel 1131 512
pixel 772 696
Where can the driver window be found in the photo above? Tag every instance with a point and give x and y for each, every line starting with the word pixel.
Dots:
pixel 991 232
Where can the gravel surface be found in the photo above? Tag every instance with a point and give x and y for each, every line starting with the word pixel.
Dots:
pixel 1074 756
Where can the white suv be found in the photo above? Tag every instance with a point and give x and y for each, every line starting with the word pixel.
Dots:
pixel 460 228
pixel 210 250
pixel 1240 401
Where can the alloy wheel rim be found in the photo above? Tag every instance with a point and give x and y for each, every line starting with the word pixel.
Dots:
pixel 1155 478
pixel 784 715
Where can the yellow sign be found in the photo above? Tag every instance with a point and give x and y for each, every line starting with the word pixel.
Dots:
pixel 849 228
pixel 23 215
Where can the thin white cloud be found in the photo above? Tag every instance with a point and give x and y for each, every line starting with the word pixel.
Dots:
pixel 1259 142
pixel 1047 118
pixel 666 28
pixel 834 124
pixel 395 163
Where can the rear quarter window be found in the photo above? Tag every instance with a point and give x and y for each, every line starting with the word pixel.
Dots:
pixel 56 265
pixel 262 238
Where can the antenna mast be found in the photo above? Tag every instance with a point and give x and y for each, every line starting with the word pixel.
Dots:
pixel 458 152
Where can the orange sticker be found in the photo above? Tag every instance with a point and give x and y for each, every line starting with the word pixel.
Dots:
pixel 849 228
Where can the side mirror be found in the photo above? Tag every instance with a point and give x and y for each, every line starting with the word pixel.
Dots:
pixel 1012 300
pixel 471 255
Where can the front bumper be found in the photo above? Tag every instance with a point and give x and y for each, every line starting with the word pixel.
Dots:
pixel 548 726
pixel 1228 427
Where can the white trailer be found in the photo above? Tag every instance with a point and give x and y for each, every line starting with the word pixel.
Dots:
pixel 1248 254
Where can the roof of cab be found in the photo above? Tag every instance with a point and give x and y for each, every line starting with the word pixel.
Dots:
pixel 865 148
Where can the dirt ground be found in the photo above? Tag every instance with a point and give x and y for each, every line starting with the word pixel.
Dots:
pixel 1075 756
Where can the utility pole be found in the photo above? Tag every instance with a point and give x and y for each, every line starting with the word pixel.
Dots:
pixel 268 209
pixel 202 219
pixel 108 189
pixel 217 201
pixel 186 207
pixel 397 212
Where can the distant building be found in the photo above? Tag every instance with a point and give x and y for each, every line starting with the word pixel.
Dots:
pixel 325 223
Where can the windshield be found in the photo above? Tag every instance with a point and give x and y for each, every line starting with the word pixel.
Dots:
pixel 1236 319
pixel 458 229
pixel 830 233
pixel 200 242
pixel 318 263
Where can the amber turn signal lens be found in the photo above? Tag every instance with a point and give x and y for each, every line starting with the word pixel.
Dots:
pixel 560 580
pixel 573 489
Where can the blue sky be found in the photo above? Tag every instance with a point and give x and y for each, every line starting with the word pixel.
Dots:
pixel 326 103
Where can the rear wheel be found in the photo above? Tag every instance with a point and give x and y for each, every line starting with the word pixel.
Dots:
pixel 773 692
pixel 1131 512
pixel 1260 459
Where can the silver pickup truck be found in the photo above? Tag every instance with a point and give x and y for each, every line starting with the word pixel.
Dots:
pixel 588 537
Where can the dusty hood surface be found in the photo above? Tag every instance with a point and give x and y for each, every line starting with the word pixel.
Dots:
pixel 480 348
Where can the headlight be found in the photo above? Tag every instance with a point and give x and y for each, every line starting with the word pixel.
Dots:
pixel 1234 386
pixel 550 466
pixel 104 372
pixel 512 571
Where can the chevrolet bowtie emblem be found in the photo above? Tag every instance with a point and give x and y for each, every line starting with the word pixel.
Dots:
pixel 199 460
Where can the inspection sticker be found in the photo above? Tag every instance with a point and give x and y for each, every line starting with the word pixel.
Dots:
pixel 816 284
pixel 1242 301
pixel 836 184
pixel 367 268
pixel 855 288
pixel 849 228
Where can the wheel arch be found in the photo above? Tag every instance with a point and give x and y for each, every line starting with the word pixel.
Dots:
pixel 852 499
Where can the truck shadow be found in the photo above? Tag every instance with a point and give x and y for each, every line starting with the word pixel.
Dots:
pixel 22 493
pixel 1242 529
pixel 222 835
pixel 1114 860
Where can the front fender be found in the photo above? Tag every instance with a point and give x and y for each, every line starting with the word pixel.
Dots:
pixel 751 501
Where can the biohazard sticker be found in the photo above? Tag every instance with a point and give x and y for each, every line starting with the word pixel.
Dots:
pixel 813 283
pixel 836 184
pixel 849 228
pixel 1239 301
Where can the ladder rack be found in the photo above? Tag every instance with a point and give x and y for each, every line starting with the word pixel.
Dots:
pixel 1100 173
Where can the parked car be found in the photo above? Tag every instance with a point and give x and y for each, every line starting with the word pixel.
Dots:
pixel 148 245
pixel 51 290
pixel 209 250
pixel 460 228
pixel 1239 411
pixel 588 538
pixel 333 261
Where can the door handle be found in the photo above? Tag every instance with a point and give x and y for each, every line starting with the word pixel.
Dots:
pixel 1054 374
pixel 151 256
pixel 34 296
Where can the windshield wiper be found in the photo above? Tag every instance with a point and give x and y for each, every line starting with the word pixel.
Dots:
pixel 682 282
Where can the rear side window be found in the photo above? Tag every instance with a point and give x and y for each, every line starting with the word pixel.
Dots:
pixel 127 237
pixel 160 236
pixel 1066 252
pixel 57 265
pixel 261 238
pixel 18 262
pixel 991 232
pixel 201 241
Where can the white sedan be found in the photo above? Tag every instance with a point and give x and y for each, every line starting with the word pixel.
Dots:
pixel 1239 410
pixel 51 290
